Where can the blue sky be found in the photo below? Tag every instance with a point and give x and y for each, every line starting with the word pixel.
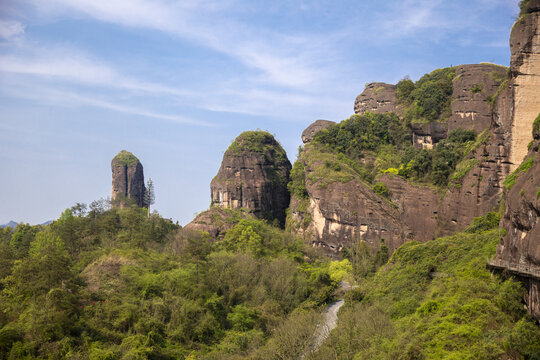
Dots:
pixel 175 82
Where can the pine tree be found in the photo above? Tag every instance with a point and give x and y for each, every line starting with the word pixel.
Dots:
pixel 149 195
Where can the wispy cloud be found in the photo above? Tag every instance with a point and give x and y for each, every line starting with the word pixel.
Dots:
pixel 202 22
pixel 10 29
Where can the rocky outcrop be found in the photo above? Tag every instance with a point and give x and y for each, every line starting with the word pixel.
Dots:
pixel 311 130
pixel 216 221
pixel 377 97
pixel 127 180
pixel 425 136
pixel 472 88
pixel 338 214
pixel 525 69
pixel 519 249
pixel 253 175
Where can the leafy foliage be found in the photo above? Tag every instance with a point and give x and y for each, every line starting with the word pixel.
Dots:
pixel 125 158
pixel 114 283
pixel 436 301
pixel 510 180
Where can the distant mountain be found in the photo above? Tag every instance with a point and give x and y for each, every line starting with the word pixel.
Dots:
pixel 12 224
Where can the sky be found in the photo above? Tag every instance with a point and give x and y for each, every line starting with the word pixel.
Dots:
pixel 175 82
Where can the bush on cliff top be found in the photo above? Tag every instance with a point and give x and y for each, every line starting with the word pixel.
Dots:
pixel 260 142
pixel 126 158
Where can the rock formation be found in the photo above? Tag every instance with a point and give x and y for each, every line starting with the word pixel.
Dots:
pixel 217 220
pixel 311 130
pixel 471 87
pixel 127 180
pixel 425 136
pixel 525 69
pixel 519 249
pixel 377 97
pixel 253 175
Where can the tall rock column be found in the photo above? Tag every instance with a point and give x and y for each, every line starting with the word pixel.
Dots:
pixel 525 69
pixel 127 180
pixel 253 175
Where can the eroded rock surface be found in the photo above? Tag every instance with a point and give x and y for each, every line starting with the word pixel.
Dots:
pixel 472 87
pixel 525 69
pixel 520 241
pixel 311 130
pixel 377 97
pixel 216 221
pixel 253 175
pixel 127 180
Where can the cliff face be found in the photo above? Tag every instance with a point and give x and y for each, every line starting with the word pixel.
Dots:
pixel 127 180
pixel 519 248
pixel 253 175
pixel 525 69
pixel 471 87
pixel 377 98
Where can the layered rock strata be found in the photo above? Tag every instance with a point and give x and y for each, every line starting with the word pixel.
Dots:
pixel 127 180
pixel 525 69
pixel 253 175
pixel 377 97
pixel 519 249
pixel 472 86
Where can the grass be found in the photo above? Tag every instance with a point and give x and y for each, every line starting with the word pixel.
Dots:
pixel 436 300
pixel 462 169
pixel 510 180
pixel 126 158
pixel 329 167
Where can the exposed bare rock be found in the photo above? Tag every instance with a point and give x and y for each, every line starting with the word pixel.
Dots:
pixel 127 180
pixel 253 175
pixel 216 221
pixel 519 249
pixel 472 87
pixel 425 136
pixel 525 69
pixel 417 205
pixel 377 97
pixel 311 130
pixel 340 213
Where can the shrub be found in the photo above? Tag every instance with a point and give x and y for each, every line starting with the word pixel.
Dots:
pixel 382 190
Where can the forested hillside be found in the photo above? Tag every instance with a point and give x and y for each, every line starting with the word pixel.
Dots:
pixel 115 284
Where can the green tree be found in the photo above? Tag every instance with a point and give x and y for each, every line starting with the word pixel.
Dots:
pixel 149 195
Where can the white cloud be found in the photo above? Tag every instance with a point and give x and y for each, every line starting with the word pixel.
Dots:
pixel 203 23
pixel 10 29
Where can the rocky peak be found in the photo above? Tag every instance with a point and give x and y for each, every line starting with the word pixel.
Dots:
pixel 377 97
pixel 311 130
pixel 127 180
pixel 253 175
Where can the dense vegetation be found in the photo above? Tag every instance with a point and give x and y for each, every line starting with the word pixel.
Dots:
pixel 429 98
pixel 259 142
pixel 115 284
pixel 436 300
pixel 126 158
pixel 370 144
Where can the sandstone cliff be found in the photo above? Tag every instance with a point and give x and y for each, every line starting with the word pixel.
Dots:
pixel 519 249
pixel 377 97
pixel 253 175
pixel 525 83
pixel 127 180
